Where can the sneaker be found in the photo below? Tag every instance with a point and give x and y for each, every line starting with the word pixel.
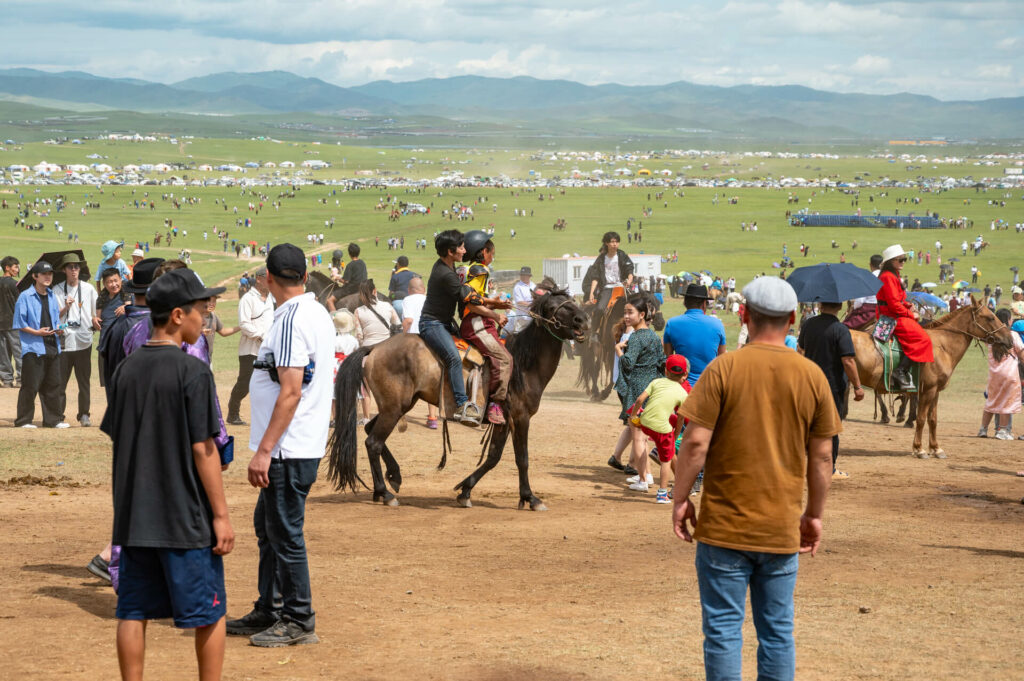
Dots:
pixel 983 432
pixel 283 634
pixel 639 486
pixel 84 421
pixel 235 421
pixel 99 567
pixel 662 497
pixel 28 425
pixel 63 424
pixel 695 490
pixel 615 463
pixel 253 623
pixel 432 424
pixel 653 455
pixel 636 478
pixel 629 470
pixel 837 475
pixel 1003 434
pixel 495 415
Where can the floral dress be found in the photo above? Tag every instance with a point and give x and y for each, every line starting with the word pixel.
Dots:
pixel 642 362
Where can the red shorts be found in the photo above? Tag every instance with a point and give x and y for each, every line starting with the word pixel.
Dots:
pixel 665 443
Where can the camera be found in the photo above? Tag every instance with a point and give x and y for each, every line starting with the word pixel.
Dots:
pixel 74 325
pixel 269 365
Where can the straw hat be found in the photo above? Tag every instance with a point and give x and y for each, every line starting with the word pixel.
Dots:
pixel 344 322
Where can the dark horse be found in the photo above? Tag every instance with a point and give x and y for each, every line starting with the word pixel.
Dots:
pixel 402 370
pixel 598 354
pixel 323 287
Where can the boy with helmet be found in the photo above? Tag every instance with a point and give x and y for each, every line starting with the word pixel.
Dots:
pixel 481 322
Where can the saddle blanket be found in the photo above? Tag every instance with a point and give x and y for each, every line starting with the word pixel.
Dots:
pixel 891 355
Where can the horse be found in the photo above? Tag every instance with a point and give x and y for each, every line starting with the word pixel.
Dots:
pixel 598 355
pixel 402 370
pixel 950 336
pixel 733 298
pixel 323 287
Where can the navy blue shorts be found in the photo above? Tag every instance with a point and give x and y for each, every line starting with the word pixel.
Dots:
pixel 185 584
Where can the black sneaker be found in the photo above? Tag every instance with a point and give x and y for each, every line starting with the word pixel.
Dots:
pixel 99 567
pixel 284 634
pixel 629 470
pixel 235 421
pixel 615 463
pixel 253 623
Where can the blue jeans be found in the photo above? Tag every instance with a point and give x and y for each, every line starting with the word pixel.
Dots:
pixel 398 305
pixel 439 339
pixel 723 576
pixel 278 520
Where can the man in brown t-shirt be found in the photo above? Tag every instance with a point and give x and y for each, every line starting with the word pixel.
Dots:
pixel 761 422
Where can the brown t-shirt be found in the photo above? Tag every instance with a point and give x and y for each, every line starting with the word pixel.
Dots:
pixel 764 403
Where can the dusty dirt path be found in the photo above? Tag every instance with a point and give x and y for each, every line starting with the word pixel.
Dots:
pixel 597 588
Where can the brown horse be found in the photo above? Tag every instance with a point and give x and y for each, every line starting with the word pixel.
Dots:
pixel 402 370
pixel 951 336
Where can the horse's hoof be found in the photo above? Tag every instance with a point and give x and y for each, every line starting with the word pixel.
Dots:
pixel 938 454
pixel 884 420
pixel 921 454
pixel 393 502
pixel 908 424
pixel 464 502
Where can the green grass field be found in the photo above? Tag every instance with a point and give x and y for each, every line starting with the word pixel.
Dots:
pixel 706 235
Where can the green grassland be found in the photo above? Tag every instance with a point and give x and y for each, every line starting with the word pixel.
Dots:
pixel 706 235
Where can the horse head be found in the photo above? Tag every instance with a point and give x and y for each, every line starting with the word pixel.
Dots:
pixel 556 311
pixel 992 331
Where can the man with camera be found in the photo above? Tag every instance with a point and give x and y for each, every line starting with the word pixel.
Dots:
pixel 36 317
pixel 290 393
pixel 78 315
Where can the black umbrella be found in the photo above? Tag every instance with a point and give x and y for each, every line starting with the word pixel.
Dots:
pixel 54 259
pixel 831 282
pixel 1014 268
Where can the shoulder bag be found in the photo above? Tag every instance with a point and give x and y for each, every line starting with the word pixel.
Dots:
pixel 394 329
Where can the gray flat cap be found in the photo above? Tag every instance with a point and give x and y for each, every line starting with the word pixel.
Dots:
pixel 770 296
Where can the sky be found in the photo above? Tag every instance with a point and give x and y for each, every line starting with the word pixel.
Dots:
pixel 950 50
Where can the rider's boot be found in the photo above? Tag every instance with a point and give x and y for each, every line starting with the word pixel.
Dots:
pixel 901 381
pixel 468 414
pixel 495 414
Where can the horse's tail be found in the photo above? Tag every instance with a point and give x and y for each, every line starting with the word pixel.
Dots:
pixel 342 445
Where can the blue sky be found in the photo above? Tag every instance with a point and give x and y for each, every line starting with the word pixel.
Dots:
pixel 950 50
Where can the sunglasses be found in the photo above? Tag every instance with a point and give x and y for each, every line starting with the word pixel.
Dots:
pixel 901 260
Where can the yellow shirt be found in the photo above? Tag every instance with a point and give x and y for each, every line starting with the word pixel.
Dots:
pixel 664 396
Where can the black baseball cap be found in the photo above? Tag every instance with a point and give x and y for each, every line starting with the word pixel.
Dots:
pixel 286 261
pixel 41 267
pixel 176 288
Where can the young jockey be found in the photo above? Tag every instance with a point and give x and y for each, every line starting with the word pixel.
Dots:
pixel 481 322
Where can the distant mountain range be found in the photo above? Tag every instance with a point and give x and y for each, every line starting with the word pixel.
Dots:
pixel 670 110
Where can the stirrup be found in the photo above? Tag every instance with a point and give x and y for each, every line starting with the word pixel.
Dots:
pixel 463 416
pixel 907 382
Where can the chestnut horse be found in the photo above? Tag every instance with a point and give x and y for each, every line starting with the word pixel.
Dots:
pixel 951 336
pixel 402 370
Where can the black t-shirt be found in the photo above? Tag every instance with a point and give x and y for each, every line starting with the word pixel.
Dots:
pixel 444 291
pixel 8 297
pixel 355 273
pixel 825 341
pixel 161 403
pixel 49 342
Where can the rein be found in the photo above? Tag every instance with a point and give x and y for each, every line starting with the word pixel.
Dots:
pixel 552 321
pixel 988 338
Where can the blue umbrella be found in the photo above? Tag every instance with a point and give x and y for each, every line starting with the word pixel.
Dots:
pixel 928 299
pixel 830 282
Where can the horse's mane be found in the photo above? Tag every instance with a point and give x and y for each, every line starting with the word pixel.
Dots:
pixel 523 345
pixel 948 319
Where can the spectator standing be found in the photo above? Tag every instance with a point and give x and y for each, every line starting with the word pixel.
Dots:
pixel 78 315
pixel 173 535
pixel 111 345
pixel 413 306
pixel 398 287
pixel 522 298
pixel 694 334
pixel 290 418
pixel 826 341
pixel 36 316
pixel 10 340
pixel 255 316
pixel 1003 392
pixel 138 255
pixel 213 326
pixel 760 422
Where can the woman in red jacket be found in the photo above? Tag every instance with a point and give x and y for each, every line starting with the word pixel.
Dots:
pixel 892 302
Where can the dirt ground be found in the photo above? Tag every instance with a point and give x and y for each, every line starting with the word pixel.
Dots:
pixel 918 577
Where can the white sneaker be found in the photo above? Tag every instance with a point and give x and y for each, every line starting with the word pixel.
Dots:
pixel 983 432
pixel 636 478
pixel 63 424
pixel 1003 434
pixel 639 486
pixel 29 425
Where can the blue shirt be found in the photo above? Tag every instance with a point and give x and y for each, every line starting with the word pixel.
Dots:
pixel 118 265
pixel 697 337
pixel 27 313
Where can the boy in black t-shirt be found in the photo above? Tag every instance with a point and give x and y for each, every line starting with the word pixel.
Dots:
pixel 170 514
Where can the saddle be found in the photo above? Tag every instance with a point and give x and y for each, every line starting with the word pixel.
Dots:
pixel 891 353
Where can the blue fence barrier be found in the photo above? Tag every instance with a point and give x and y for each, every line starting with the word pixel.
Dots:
pixel 890 221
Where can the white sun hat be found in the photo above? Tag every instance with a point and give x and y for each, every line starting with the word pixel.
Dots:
pixel 893 251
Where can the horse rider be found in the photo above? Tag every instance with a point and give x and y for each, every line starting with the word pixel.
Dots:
pixel 864 310
pixel 445 290
pixel 612 270
pixel 892 302
pixel 481 322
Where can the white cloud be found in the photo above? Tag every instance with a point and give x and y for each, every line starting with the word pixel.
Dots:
pixel 995 71
pixel 871 65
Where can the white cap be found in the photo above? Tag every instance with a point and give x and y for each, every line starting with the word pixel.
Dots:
pixel 770 296
pixel 893 251
pixel 139 252
pixel 1016 289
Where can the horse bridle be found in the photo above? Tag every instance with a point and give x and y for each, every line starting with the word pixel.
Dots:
pixel 553 321
pixel 989 337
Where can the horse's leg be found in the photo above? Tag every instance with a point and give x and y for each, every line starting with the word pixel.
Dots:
pixel 881 406
pixel 379 429
pixel 498 438
pixel 919 429
pixel 933 423
pixel 520 441
pixel 902 413
pixel 912 413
